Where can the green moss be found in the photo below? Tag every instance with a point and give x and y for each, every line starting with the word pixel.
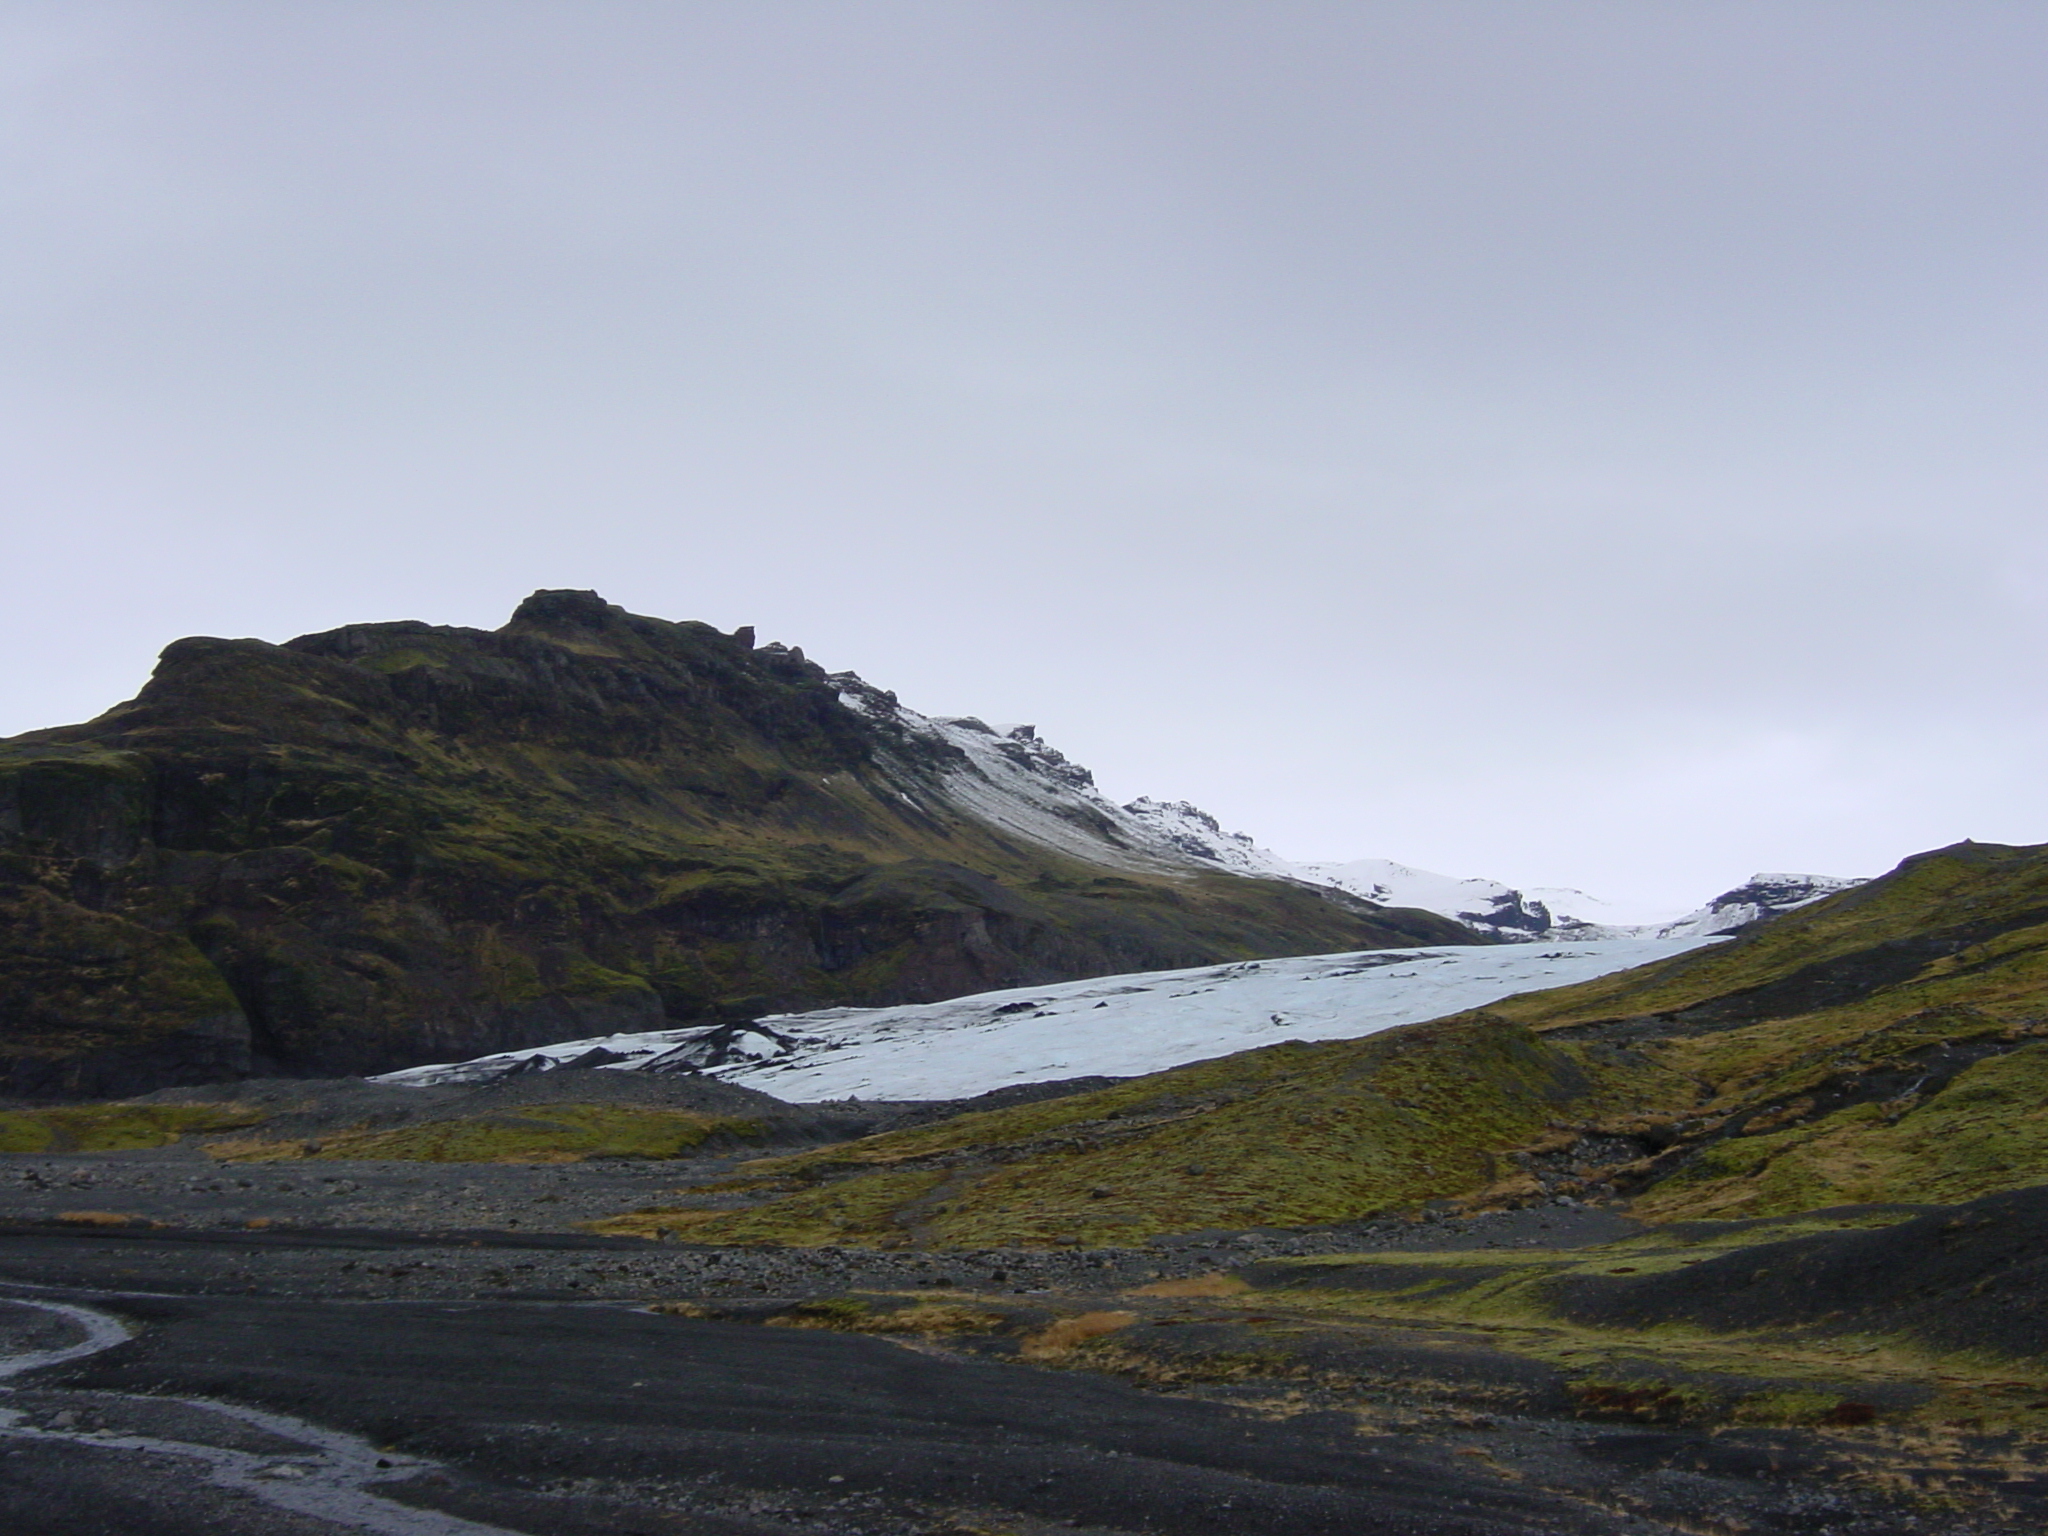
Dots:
pixel 1291 1133
pixel 1663 1372
pixel 544 1133
pixel 113 1127
pixel 400 659
pixel 73 979
pixel 1987 1131
pixel 1787 1407
pixel 860 1213
pixel 1995 891
pixel 586 978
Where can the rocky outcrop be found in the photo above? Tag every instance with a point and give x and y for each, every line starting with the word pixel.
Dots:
pixel 402 842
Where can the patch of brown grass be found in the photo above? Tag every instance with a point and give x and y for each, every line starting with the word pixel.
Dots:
pixel 254 1150
pixel 936 1317
pixel 1070 1333
pixel 97 1219
pixel 1217 1284
pixel 847 1315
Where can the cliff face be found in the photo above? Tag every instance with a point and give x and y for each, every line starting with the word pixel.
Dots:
pixel 402 842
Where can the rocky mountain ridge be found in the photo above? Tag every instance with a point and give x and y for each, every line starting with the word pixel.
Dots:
pixel 399 842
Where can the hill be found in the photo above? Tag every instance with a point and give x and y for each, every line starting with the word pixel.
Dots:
pixel 400 842
pixel 1886 1044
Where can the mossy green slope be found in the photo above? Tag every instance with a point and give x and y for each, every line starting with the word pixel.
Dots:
pixel 1287 1134
pixel 1880 1045
pixel 1932 1314
pixel 543 1133
pixel 1888 1044
pixel 114 1127
pixel 396 843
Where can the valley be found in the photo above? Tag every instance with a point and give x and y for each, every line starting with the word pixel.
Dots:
pixel 607 1076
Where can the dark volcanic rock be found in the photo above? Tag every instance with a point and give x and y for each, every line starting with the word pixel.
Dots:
pixel 396 843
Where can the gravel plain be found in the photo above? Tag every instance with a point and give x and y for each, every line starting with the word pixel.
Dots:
pixel 504 1370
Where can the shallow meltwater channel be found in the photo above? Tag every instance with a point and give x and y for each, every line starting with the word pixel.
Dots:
pixel 282 1461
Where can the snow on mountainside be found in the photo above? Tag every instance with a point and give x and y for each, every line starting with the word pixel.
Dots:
pixel 1008 777
pixel 1117 1026
pixel 1195 834
pixel 1485 905
pixel 1763 896
pixel 1549 915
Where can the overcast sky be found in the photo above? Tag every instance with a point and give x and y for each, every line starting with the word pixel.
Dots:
pixel 1581 444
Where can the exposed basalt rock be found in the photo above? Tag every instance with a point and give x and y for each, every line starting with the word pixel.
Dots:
pixel 394 843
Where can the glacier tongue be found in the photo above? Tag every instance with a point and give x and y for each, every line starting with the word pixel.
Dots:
pixel 1114 1026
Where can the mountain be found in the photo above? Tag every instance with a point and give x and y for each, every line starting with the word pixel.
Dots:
pixel 1761 897
pixel 399 842
pixel 1486 907
pixel 1110 1025
pixel 1548 914
pixel 1887 1043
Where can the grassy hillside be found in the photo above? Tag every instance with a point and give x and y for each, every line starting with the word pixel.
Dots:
pixel 1887 1044
pixel 1837 1318
pixel 1288 1134
pixel 396 843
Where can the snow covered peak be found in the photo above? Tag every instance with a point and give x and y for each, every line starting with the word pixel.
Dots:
pixel 1026 749
pixel 1487 906
pixel 1550 914
pixel 1199 837
pixel 1008 777
pixel 1762 896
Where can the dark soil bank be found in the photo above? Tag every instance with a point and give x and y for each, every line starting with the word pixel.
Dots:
pixel 1971 1276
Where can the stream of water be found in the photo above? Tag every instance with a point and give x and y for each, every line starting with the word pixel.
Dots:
pixel 314 1471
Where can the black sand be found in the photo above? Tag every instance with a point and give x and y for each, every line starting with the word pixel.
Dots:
pixel 456 1318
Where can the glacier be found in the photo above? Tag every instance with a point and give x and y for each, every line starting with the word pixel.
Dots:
pixel 1007 776
pixel 1110 1026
